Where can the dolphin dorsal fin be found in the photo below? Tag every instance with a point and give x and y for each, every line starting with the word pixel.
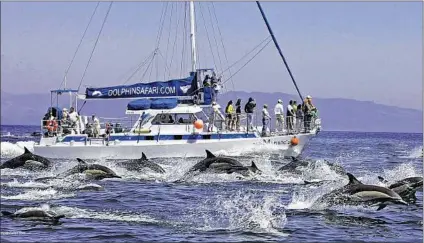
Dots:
pixel 143 156
pixel 294 158
pixel 353 180
pixel 381 179
pixel 254 165
pixel 209 154
pixel 26 151
pixel 81 162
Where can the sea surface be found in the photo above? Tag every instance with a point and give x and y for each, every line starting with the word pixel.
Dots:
pixel 218 208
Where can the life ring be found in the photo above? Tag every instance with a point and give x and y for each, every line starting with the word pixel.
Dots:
pixel 51 125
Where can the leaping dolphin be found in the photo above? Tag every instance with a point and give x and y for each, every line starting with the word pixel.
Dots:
pixel 34 214
pixel 222 165
pixel 356 193
pixel 141 164
pixel 27 160
pixel 406 188
pixel 93 171
pixel 297 166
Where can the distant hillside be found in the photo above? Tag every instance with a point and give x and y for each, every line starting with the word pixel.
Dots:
pixel 336 114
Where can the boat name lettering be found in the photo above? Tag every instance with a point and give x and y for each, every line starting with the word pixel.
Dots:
pixel 143 91
pixel 268 141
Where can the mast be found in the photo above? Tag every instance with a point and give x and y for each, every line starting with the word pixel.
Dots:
pixel 192 37
pixel 278 48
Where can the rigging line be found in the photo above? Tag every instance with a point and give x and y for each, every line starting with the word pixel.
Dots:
pixel 166 65
pixel 169 35
pixel 267 38
pixel 241 67
pixel 95 44
pixel 278 48
pixel 79 44
pixel 248 61
pixel 173 48
pixel 214 36
pixel 222 42
pixel 150 63
pixel 140 66
pixel 161 21
pixel 184 39
pixel 207 35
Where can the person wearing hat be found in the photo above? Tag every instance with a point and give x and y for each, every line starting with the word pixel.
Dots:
pixel 279 115
pixel 308 112
pixel 96 124
pixel 265 120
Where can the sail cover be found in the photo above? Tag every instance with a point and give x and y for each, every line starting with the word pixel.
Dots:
pixel 172 88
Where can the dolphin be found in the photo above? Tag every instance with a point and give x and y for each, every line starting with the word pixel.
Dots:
pixel 356 193
pixel 406 188
pixel 297 166
pixel 34 214
pixel 214 164
pixel 93 171
pixel 141 164
pixel 27 160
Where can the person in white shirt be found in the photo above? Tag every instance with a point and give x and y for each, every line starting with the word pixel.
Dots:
pixel 289 117
pixel 279 115
pixel 73 116
pixel 96 124
pixel 265 120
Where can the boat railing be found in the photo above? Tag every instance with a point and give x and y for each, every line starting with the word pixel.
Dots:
pixel 221 124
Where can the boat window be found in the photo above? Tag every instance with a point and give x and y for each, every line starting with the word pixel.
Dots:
pixel 164 119
pixel 185 118
pixel 202 116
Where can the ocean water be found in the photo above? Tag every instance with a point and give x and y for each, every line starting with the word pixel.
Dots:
pixel 218 208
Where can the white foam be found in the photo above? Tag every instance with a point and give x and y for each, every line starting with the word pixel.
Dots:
pixel 10 150
pixel 39 194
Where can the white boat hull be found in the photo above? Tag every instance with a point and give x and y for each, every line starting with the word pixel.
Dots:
pixel 167 148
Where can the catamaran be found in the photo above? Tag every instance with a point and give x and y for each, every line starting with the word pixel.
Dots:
pixel 173 118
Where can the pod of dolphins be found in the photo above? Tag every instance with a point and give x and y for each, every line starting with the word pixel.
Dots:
pixel 354 193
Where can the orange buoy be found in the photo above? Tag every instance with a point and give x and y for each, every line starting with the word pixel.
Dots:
pixel 198 124
pixel 294 141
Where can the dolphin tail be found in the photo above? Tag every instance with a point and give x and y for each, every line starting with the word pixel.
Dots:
pixel 27 151
pixel 381 207
pixel 353 180
pixel 143 156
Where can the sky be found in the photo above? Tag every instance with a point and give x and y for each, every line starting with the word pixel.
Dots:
pixel 369 51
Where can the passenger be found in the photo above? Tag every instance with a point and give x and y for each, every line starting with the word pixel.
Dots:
pixel 279 115
pixel 299 118
pixel 96 125
pixel 249 108
pixel 74 118
pixel 294 106
pixel 238 114
pixel 265 120
pixel 229 110
pixel 206 81
pixel 213 116
pixel 309 112
pixel 289 117
pixel 65 122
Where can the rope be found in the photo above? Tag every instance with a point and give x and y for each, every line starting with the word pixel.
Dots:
pixel 173 48
pixel 95 44
pixel 244 56
pixel 214 37
pixel 184 39
pixel 248 61
pixel 222 42
pixel 140 66
pixel 207 35
pixel 79 44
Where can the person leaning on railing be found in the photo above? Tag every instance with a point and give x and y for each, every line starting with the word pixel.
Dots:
pixel 230 112
pixel 238 114
pixel 309 110
pixel 299 118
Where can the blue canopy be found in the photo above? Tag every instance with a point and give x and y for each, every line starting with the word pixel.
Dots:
pixel 145 104
pixel 172 88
